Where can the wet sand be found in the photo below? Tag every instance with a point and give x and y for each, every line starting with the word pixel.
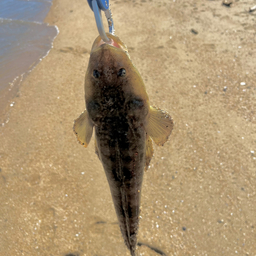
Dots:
pixel 197 59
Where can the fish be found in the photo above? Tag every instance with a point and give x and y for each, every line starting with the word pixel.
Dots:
pixel 124 124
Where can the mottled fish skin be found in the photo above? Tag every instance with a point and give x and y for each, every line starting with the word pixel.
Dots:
pixel 117 106
pixel 121 146
pixel 119 115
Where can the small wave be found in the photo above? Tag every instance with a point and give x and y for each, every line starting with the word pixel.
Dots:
pixel 3 20
pixel 58 31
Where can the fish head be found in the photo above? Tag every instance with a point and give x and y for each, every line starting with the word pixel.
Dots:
pixel 108 61
pixel 112 82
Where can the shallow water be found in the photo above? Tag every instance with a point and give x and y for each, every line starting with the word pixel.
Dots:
pixel 24 39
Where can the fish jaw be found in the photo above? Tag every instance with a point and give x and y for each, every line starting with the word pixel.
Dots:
pixel 114 42
pixel 122 152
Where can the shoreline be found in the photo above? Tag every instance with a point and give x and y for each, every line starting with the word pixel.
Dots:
pixel 49 17
pixel 11 92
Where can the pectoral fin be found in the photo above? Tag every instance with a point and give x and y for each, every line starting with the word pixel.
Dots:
pixel 160 125
pixel 83 128
pixel 149 152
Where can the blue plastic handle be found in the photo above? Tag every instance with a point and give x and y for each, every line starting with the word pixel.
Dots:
pixel 102 4
pixel 97 6
pixel 97 16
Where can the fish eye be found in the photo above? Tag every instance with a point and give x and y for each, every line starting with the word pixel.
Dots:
pixel 121 72
pixel 96 73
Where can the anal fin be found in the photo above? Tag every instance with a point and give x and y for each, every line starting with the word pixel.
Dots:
pixel 96 149
pixel 149 151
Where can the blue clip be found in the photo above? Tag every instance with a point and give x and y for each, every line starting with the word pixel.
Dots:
pixel 102 4
pixel 97 6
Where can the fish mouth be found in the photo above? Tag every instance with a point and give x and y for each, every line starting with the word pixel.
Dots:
pixel 114 41
pixel 111 42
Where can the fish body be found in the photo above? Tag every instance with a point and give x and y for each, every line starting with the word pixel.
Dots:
pixel 117 107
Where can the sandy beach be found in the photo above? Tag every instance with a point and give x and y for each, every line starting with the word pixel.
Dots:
pixel 197 59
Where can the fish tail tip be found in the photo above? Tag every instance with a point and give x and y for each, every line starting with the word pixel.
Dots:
pixel 133 253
